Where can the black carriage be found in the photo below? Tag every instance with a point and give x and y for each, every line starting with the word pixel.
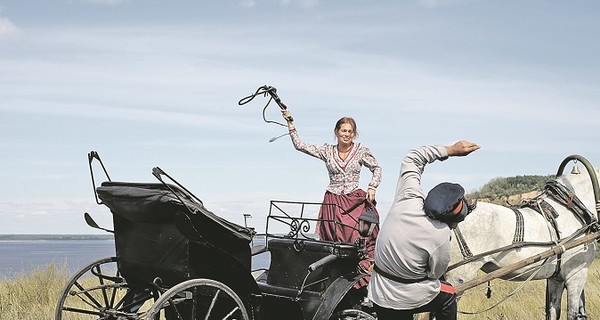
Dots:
pixel 175 259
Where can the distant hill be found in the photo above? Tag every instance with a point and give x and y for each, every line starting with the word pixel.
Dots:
pixel 511 190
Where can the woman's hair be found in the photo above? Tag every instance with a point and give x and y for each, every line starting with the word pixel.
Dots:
pixel 343 120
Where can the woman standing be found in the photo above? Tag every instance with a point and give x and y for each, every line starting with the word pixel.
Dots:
pixel 344 202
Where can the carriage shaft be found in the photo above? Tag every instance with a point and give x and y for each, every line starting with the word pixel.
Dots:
pixel 527 261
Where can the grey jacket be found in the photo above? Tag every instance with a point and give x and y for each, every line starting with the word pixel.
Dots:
pixel 410 245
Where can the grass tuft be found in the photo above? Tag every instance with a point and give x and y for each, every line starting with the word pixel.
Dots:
pixel 32 296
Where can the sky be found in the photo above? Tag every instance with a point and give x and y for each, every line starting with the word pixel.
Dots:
pixel 157 83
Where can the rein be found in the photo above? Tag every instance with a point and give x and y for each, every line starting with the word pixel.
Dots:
pixel 533 274
pixel 512 246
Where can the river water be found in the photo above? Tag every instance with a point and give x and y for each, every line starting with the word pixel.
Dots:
pixel 21 257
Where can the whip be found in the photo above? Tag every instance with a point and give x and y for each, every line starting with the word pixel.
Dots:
pixel 272 93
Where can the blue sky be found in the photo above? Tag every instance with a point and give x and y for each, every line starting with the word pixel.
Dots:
pixel 156 83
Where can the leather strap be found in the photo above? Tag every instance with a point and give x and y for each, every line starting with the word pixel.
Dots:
pixel 396 278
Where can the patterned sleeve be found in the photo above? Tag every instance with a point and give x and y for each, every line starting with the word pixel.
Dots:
pixel 369 161
pixel 310 149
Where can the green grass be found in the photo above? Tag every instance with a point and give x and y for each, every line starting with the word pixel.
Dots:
pixel 32 296
pixel 528 302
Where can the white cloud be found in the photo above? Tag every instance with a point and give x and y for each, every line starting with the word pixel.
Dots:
pixel 8 29
pixel 51 215
pixel 429 3
pixel 248 3
pixel 104 2
pixel 297 3
pixel 301 3
pixel 38 213
pixel 438 3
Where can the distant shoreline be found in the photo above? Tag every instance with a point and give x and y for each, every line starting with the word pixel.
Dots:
pixel 32 237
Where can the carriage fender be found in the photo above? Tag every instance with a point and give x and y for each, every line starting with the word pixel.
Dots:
pixel 334 294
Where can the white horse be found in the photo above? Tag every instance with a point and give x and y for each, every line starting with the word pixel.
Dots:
pixel 494 236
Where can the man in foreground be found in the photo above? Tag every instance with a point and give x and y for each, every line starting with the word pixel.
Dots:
pixel 413 248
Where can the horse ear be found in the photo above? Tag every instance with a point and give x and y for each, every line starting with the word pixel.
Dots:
pixel 472 204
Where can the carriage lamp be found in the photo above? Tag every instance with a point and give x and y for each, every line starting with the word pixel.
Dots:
pixel 246 216
pixel 367 222
pixel 575 169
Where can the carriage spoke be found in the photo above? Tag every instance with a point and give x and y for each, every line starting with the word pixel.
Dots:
pixel 90 301
pixel 107 302
pixel 173 305
pixel 203 299
pixel 109 289
pixel 231 313
pixel 96 303
pixel 212 304
pixel 97 292
pixel 77 310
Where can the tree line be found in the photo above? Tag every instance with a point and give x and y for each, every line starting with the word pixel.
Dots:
pixel 503 187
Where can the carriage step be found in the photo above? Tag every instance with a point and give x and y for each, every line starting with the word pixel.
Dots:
pixel 285 292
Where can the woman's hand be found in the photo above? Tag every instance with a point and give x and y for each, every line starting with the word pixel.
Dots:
pixel 371 195
pixel 287 116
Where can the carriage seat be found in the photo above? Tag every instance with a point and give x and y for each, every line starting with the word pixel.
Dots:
pixel 291 258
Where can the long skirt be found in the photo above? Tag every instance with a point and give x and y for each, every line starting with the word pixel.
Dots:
pixel 338 221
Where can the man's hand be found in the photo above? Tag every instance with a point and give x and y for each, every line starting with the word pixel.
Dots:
pixel 461 148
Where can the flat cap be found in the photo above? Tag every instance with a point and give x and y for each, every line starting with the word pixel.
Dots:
pixel 445 202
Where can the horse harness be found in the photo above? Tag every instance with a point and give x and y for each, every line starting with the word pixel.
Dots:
pixel 559 193
pixel 567 198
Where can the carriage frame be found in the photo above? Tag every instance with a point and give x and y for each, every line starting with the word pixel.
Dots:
pixel 175 259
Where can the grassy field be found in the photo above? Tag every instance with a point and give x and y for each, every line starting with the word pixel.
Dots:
pixel 527 302
pixel 33 297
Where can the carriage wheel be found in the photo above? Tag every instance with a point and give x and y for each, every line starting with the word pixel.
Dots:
pixel 352 314
pixel 199 299
pixel 98 291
